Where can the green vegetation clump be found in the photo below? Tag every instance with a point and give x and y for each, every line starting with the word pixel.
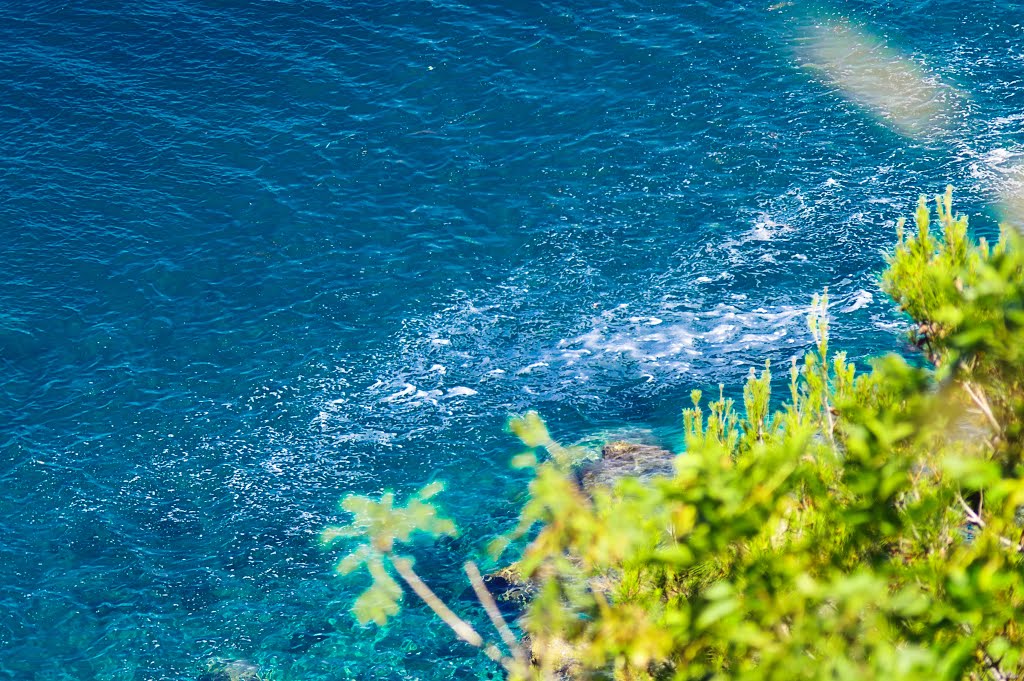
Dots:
pixel 870 527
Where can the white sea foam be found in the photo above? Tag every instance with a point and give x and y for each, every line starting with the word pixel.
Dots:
pixel 861 300
pixel 1013 119
pixel 408 389
pixel 460 391
pixel 531 368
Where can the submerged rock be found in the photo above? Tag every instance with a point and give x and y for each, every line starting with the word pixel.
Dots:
pixel 556 656
pixel 509 585
pixel 619 459
pixel 622 459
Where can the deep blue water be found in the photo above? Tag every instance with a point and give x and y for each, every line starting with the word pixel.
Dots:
pixel 258 255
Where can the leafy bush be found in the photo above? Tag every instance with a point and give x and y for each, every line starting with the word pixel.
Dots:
pixel 869 527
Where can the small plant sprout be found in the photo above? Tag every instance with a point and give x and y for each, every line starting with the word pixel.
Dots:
pixel 532 432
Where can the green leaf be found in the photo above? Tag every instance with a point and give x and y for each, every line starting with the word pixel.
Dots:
pixel 970 472
pixel 333 534
pixel 716 611
pixel 530 429
pixel 431 490
pixel 525 460
pixel 377 604
pixel 354 560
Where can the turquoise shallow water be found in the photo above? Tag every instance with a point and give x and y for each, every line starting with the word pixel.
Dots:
pixel 258 255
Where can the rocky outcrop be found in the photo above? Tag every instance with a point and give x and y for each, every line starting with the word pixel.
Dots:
pixel 622 459
pixel 619 459
pixel 509 585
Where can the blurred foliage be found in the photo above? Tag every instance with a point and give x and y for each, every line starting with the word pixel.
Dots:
pixel 868 527
pixel 378 524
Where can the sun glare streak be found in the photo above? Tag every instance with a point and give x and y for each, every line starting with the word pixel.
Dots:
pixel 902 94
pixel 881 80
pixel 1010 205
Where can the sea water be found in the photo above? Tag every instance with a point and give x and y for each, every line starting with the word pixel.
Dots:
pixel 259 255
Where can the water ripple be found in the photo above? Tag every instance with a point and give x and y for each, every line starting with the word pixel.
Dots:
pixel 258 255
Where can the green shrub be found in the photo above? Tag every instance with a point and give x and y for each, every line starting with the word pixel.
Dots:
pixel 867 528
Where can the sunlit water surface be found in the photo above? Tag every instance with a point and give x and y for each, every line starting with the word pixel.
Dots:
pixel 258 255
